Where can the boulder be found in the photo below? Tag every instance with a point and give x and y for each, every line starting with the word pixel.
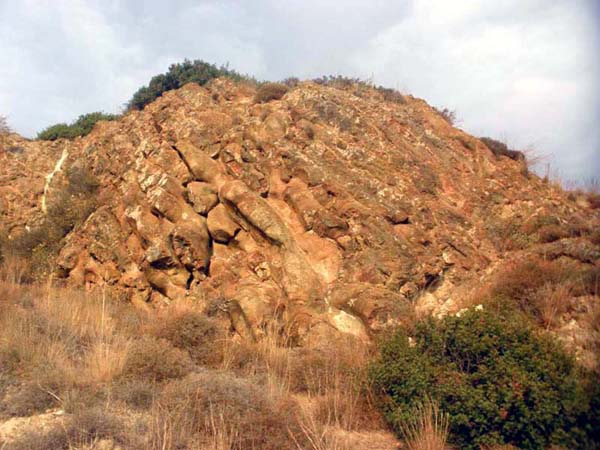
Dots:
pixel 191 243
pixel 379 308
pixel 221 226
pixel 202 166
pixel 256 211
pixel 202 196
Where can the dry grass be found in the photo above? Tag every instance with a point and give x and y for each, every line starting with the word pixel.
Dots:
pixel 189 414
pixel 428 429
pixel 554 302
pixel 335 379
pixel 82 351
pixel 53 341
pixel 189 330
pixel 68 334
pixel 315 433
pixel 269 358
pixel 13 270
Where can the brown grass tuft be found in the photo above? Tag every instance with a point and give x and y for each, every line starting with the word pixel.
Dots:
pixel 190 412
pixel 192 332
pixel 156 360
pixel 270 91
pixel 428 428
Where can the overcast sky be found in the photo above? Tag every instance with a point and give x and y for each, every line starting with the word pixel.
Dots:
pixel 523 71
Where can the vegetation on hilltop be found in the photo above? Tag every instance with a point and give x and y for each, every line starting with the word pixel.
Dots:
pixel 81 127
pixel 178 75
pixel 4 128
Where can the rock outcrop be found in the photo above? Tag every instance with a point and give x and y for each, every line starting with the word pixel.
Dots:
pixel 332 209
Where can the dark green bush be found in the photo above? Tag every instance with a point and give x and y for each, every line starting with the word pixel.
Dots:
pixel 499 382
pixel 81 127
pixel 178 75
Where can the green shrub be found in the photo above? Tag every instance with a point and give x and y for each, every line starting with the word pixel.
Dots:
pixel 270 91
pixel 81 127
pixel 178 75
pixel 498 381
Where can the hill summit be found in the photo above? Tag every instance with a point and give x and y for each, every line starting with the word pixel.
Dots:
pixel 333 209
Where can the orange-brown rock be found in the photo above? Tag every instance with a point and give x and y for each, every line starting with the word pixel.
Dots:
pixel 221 226
pixel 332 208
pixel 202 196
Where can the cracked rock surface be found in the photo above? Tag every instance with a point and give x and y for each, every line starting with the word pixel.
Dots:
pixel 331 207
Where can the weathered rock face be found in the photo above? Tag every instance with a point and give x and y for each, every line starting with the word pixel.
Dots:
pixel 331 208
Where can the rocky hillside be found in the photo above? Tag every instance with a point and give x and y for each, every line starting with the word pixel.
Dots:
pixel 332 210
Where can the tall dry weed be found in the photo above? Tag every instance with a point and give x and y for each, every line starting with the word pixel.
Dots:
pixel 427 429
pixel 57 340
pixel 315 434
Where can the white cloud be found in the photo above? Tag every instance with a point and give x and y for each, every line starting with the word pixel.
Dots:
pixel 527 74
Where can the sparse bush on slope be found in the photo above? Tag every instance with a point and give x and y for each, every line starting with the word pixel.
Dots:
pixel 501 149
pixel 270 91
pixel 82 430
pixel 156 360
pixel 195 333
pixel 342 82
pixel 499 382
pixel 81 127
pixel 70 207
pixel 4 128
pixel 541 290
pixel 447 114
